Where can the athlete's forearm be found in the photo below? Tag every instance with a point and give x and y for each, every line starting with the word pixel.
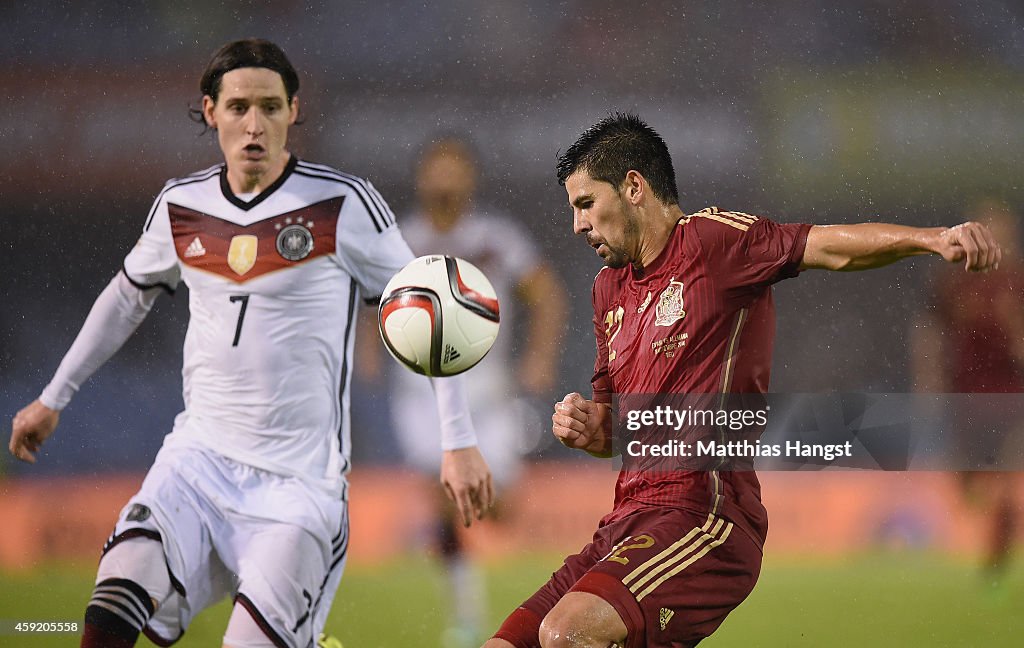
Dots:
pixel 866 245
pixel 115 315
pixel 453 410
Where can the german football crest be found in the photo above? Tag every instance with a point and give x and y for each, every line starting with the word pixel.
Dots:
pixel 295 242
pixel 670 304
pixel 242 253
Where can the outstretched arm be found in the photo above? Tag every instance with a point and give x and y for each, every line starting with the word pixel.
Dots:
pixel 118 311
pixel 873 245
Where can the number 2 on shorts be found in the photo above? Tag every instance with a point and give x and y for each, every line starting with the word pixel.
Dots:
pixel 639 542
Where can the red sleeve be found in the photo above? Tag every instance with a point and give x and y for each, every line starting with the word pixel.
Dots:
pixel 601 382
pixel 750 250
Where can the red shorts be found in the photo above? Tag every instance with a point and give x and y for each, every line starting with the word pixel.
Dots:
pixel 672 575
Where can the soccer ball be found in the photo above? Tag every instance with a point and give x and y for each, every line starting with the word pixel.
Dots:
pixel 438 315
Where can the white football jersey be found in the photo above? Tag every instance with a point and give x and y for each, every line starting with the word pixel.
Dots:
pixel 273 288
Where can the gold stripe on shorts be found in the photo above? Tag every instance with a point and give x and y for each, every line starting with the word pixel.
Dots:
pixel 698 542
pixel 701 552
pixel 657 561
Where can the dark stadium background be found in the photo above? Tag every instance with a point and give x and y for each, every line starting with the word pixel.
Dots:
pixel 802 110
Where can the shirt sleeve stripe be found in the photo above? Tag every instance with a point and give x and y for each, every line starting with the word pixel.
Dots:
pixel 740 216
pixel 379 222
pixel 389 218
pixel 195 177
pixel 360 184
pixel 721 219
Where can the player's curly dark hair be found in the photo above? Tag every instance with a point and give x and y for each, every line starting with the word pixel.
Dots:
pixel 617 144
pixel 248 52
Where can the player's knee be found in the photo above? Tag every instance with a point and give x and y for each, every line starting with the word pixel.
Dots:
pixel 581 620
pixel 559 631
pixel 566 631
pixel 140 560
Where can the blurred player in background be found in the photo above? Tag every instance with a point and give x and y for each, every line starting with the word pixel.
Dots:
pixel 449 222
pixel 248 495
pixel 972 342
pixel 682 548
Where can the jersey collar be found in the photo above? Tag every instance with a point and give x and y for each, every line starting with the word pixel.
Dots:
pixel 225 188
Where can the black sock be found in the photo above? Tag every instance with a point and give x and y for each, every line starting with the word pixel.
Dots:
pixel 117 612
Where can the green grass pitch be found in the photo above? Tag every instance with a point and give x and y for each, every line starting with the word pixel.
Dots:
pixel 882 599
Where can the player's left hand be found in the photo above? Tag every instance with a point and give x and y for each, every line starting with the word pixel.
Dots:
pixel 467 480
pixel 972 243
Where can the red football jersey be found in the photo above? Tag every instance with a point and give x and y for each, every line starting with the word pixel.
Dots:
pixel 698 320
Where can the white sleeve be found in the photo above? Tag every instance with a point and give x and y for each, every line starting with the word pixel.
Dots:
pixel 154 261
pixel 370 246
pixel 118 311
pixel 453 410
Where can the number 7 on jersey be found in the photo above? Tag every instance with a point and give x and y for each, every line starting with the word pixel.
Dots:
pixel 241 315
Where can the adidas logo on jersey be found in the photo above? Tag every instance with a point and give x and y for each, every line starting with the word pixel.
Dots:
pixel 195 249
pixel 450 354
pixel 665 616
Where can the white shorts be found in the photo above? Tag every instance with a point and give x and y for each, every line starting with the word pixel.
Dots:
pixel 273 543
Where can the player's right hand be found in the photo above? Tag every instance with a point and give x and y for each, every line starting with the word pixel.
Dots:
pixel 30 428
pixel 973 244
pixel 580 424
pixel 467 481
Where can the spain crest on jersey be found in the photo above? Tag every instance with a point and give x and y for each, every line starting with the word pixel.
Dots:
pixel 242 253
pixel 670 304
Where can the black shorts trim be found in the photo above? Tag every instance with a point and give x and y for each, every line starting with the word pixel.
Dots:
pixel 260 620
pixel 140 532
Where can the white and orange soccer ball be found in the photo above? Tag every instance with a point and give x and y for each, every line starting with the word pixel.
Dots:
pixel 438 315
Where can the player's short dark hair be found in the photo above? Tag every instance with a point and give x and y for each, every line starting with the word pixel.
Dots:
pixel 617 144
pixel 248 52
